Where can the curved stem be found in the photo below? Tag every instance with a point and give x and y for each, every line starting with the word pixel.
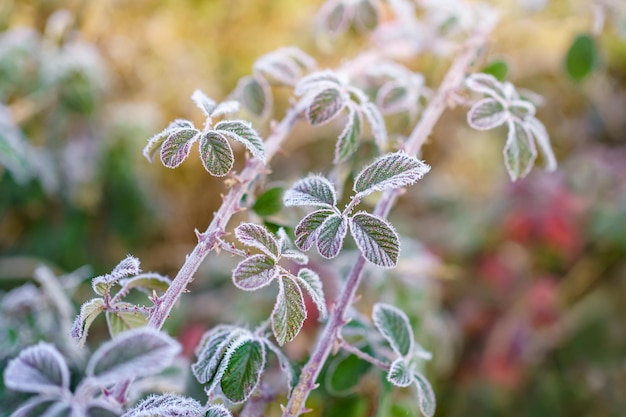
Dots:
pixel 230 205
pixel 454 77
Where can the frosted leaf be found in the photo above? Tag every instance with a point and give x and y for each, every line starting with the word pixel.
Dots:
pixel 225 107
pixel 285 365
pixel 278 67
pixel 119 322
pixel 59 408
pixel 347 140
pixel 523 109
pixel 305 61
pixel 211 351
pixel 203 102
pixel 378 242
pixel 296 256
pixel 366 15
pixel 243 372
pixel 289 311
pixel 317 81
pixel 336 16
pixel 167 405
pixel 399 374
pixel 331 235
pixel 312 283
pixel 133 354
pixel 311 191
pixel 376 122
pixel 147 282
pixel 485 84
pixel 217 411
pixel 177 146
pixel 394 325
pixel 243 132
pixel 258 237
pixel 426 395
pixel 308 228
pixel 519 152
pixel 128 266
pixel 540 134
pixel 38 369
pixel 393 170
pixel 89 311
pixel 255 272
pixel 216 153
pixel 392 97
pixel 155 142
pixel 255 95
pixel 487 114
pixel 325 106
pixel 34 404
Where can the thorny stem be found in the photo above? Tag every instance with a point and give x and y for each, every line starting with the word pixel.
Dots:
pixel 432 113
pixel 230 205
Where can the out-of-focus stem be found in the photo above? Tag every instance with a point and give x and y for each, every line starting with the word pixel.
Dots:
pixel 330 336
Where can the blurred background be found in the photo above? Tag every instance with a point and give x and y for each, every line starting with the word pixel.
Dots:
pixel 518 289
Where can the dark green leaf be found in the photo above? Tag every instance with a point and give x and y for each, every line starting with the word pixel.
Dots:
pixel 498 69
pixel 243 371
pixel 582 57
pixel 270 202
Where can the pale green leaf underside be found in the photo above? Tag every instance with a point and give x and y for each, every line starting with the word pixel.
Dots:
pixel 394 325
pixel 520 151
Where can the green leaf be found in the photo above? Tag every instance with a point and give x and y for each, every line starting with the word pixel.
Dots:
pixel 211 351
pixel 314 191
pixel 38 369
pixel 256 95
pixel 177 146
pixel 89 311
pixel 218 411
pixel 147 282
pixel 347 140
pixel 485 84
pixel 270 202
pixel 344 373
pixel 486 114
pixel 331 235
pixel 289 311
pixel 582 57
pixel 119 322
pixel 243 132
pixel 166 405
pixel 308 228
pixel 393 97
pixel 312 283
pixel 394 325
pixel 427 401
pixel 499 69
pixel 376 122
pixel 133 354
pixel 393 170
pixel 288 369
pixel 325 106
pixel 540 134
pixel 255 272
pixel 377 240
pixel 399 373
pixel 216 153
pixel 243 371
pixel 519 152
pixel 258 237
pixel 203 102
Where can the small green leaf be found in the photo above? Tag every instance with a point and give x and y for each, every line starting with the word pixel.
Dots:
pixel 307 230
pixel 393 170
pixel 89 311
pixel 211 351
pixel 177 146
pixel 288 369
pixel 270 202
pixel 399 373
pixel 119 322
pixel 312 283
pixel 345 372
pixel 499 69
pixel 216 153
pixel 394 325
pixel 243 371
pixel 581 58
pixel 325 106
pixel 256 95
pixel 377 240
pixel 347 140
pixel 427 401
pixel 243 132
pixel 331 235
pixel 486 114
pixel 520 151
pixel 147 282
pixel 218 411
pixel 314 190
pixel 258 237
pixel 289 311
pixel 255 272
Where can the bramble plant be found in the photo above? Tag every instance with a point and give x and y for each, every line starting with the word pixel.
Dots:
pixel 352 101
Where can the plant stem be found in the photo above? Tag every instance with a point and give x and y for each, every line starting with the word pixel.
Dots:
pixel 453 79
pixel 230 205
pixel 358 352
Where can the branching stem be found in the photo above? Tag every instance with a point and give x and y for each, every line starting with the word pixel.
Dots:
pixel 358 352
pixel 432 113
